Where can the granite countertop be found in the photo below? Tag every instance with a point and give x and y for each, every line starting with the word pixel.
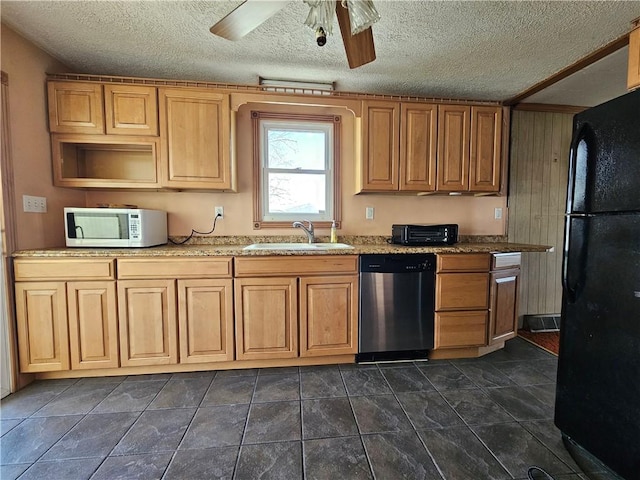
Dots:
pixel 233 246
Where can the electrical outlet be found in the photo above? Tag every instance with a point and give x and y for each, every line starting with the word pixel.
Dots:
pixel 497 213
pixel 368 213
pixel 34 204
pixel 220 211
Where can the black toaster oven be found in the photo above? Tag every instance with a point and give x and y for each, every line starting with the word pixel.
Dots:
pixel 424 235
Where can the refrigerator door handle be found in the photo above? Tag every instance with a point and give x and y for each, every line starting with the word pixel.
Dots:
pixel 574 255
pixel 577 181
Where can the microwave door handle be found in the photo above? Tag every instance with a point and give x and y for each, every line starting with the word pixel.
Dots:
pixel 81 231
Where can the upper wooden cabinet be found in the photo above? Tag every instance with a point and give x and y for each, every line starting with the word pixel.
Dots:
pixel 418 142
pixel 380 147
pixel 486 149
pixel 195 133
pixel 75 107
pixel 633 76
pixel 419 147
pixel 469 149
pixel 398 146
pixel 130 110
pixel 93 108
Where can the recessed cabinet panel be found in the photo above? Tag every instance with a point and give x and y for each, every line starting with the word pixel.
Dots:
pixel 453 148
pixel 460 329
pixel 205 318
pixel 633 76
pixel 504 312
pixel 380 135
pixel 486 146
pixel 328 315
pixel 75 107
pixel 147 319
pixel 462 291
pixel 418 142
pixel 266 318
pixel 131 109
pixel 41 314
pixel 195 127
pixel 93 325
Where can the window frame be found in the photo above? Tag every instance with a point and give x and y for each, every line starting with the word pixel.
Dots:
pixel 259 182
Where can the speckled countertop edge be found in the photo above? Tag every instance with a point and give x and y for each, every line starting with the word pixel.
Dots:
pixel 233 246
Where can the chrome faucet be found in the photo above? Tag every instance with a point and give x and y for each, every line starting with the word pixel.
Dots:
pixel 308 231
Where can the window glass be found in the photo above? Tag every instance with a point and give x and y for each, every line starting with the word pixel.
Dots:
pixel 296 163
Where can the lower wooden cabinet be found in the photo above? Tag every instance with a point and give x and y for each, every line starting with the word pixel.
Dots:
pixel 205 320
pixel 266 318
pixel 328 315
pixel 41 312
pixel 93 324
pixel 503 321
pixel 175 310
pixel 147 318
pixel 460 329
pixel 311 312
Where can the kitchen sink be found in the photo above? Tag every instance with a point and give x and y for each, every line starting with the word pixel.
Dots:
pixel 297 246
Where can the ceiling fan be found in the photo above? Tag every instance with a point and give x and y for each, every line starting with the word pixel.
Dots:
pixel 355 18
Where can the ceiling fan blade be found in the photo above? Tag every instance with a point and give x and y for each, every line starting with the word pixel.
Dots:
pixel 247 16
pixel 359 48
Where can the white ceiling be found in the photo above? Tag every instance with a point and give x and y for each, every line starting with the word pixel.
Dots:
pixel 481 50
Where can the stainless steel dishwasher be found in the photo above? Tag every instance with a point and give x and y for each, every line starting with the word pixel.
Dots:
pixel 397 296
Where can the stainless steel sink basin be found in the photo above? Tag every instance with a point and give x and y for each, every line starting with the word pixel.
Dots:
pixel 297 246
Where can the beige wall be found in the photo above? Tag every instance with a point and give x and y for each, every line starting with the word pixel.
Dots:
pixel 26 66
pixel 475 215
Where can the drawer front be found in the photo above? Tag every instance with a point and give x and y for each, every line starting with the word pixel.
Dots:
pixel 464 262
pixel 505 260
pixel 67 269
pixel 460 329
pixel 160 267
pixel 462 291
pixel 301 265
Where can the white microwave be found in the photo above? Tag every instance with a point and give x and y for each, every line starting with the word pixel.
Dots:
pixel 114 227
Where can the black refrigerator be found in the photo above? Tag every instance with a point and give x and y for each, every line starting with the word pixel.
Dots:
pixel 598 386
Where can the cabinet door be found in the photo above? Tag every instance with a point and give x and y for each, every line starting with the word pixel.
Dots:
pixel 633 75
pixel 75 107
pixel 147 319
pixel 328 315
pixel 195 129
pixel 418 142
pixel 41 314
pixel 503 320
pixel 486 149
pixel 131 109
pixel 205 319
pixel 266 318
pixel 460 329
pixel 453 148
pixel 462 291
pixel 380 135
pixel 93 324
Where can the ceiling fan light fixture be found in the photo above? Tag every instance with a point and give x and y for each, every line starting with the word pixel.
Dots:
pixel 321 13
pixel 362 14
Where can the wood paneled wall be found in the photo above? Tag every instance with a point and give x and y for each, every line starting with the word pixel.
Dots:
pixel 537 192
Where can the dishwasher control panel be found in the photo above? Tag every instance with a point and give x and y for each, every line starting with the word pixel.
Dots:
pixel 410 262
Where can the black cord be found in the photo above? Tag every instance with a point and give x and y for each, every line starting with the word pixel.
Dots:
pixel 199 233
pixel 533 469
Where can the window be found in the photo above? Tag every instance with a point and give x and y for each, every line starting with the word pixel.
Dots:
pixel 296 161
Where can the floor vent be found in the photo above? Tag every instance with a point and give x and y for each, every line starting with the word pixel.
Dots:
pixel 549 322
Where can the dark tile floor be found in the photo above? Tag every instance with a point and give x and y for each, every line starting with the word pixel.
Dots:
pixel 488 418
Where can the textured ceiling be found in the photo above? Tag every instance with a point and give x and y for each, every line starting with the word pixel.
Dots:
pixel 475 49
